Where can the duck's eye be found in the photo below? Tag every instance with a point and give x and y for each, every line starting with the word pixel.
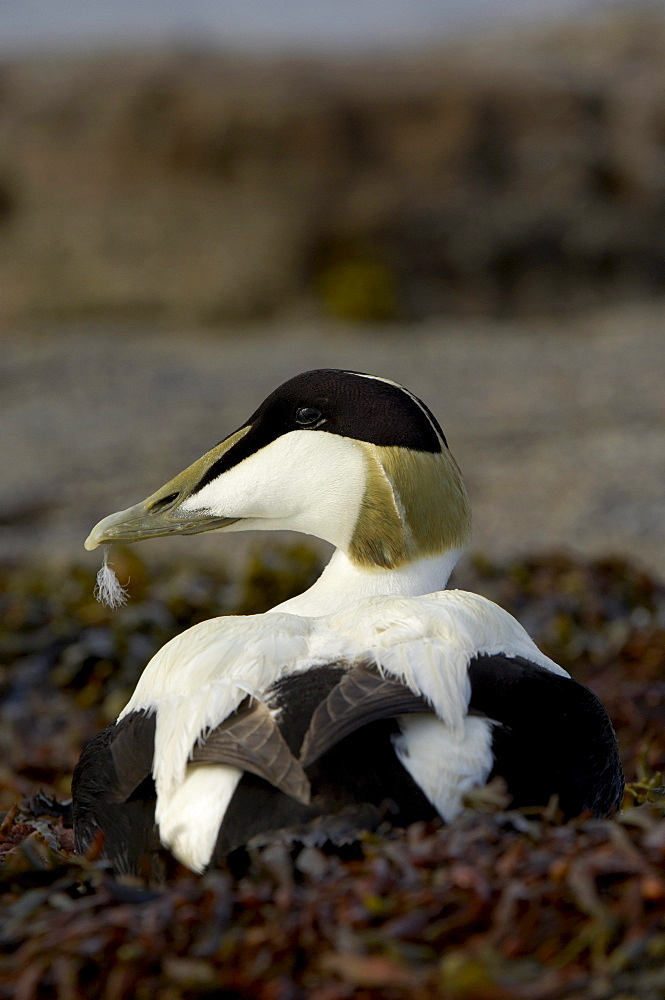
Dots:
pixel 307 415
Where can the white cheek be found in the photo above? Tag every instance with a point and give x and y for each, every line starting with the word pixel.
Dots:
pixel 307 481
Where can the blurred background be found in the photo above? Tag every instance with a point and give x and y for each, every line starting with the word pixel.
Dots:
pixel 198 201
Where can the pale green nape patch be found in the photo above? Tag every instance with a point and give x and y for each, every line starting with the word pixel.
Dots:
pixel 434 498
pixel 415 506
pixel 379 536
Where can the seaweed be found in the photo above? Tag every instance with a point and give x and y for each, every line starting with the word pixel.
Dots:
pixel 499 904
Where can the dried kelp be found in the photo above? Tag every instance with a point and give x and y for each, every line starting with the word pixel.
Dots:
pixel 500 904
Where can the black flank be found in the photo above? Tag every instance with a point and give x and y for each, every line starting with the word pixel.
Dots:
pixel 113 793
pixel 555 736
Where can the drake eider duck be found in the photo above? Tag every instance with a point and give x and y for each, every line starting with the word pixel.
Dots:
pixel 376 692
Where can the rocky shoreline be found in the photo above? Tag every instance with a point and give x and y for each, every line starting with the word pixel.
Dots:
pixel 559 428
pixel 511 174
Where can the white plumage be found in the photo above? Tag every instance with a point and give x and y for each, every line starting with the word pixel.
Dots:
pixel 201 676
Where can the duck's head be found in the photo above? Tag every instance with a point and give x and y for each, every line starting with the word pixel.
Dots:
pixel 354 459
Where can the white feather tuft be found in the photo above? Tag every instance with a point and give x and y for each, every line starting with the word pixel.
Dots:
pixel 189 819
pixel 108 589
pixel 443 763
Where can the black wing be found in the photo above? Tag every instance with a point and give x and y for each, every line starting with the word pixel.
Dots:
pixel 341 723
pixel 114 795
pixel 362 696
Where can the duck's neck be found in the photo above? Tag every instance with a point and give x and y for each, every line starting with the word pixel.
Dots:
pixel 342 583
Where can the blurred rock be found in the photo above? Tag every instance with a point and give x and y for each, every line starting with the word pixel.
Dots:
pixel 559 427
pixel 517 174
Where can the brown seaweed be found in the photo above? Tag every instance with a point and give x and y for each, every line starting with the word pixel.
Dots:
pixel 499 904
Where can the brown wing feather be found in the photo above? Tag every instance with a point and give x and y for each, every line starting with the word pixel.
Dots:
pixel 132 747
pixel 362 696
pixel 250 739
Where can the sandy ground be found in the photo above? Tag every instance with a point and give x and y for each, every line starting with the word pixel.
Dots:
pixel 559 429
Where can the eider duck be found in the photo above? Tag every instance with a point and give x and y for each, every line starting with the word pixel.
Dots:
pixel 377 692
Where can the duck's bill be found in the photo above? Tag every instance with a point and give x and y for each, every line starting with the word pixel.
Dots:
pixel 161 513
pixel 139 522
